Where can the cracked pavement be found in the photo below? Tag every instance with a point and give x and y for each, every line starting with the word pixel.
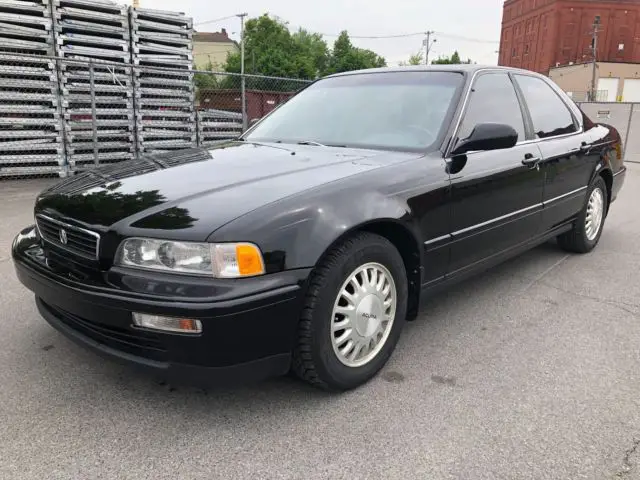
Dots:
pixel 529 371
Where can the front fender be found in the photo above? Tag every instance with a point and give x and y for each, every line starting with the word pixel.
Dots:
pixel 294 233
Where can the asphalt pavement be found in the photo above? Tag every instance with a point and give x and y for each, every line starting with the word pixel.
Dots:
pixel 529 371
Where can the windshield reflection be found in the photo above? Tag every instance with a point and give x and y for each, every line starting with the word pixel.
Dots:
pixel 390 110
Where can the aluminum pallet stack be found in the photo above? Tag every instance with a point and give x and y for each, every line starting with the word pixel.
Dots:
pixel 98 121
pixel 165 117
pixel 218 126
pixel 30 125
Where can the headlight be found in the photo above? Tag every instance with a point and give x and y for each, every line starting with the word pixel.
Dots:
pixel 223 260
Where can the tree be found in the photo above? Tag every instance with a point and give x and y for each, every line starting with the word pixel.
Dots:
pixel 415 59
pixel 345 57
pixel 270 49
pixel 453 60
pixel 206 81
pixel 312 45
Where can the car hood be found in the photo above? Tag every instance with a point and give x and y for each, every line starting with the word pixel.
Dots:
pixel 190 193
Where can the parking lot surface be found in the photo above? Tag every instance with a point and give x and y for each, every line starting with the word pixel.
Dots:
pixel 529 371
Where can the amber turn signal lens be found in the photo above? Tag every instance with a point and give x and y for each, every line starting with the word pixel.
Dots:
pixel 249 260
pixel 167 324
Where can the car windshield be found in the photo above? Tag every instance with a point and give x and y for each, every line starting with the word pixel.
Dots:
pixel 390 110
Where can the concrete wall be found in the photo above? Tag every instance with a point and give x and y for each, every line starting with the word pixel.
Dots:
pixel 625 117
pixel 577 78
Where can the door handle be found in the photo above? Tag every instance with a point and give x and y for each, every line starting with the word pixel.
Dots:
pixel 531 161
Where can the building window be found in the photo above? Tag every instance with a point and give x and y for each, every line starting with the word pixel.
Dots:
pixel 621 47
pixel 514 52
pixel 526 49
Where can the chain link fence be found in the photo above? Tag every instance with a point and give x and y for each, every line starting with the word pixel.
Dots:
pixel 59 116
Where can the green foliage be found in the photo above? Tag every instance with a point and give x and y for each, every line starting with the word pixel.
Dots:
pixel 453 60
pixel 205 81
pixel 313 46
pixel 271 49
pixel 345 57
pixel 415 59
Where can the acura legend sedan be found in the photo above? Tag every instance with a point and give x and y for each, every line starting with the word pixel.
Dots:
pixel 306 244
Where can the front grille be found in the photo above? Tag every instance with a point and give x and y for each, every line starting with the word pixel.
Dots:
pixel 73 239
pixel 135 342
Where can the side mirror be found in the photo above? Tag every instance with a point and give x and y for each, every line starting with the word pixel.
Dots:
pixel 253 121
pixel 487 136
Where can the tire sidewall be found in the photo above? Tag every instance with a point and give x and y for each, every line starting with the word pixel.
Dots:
pixel 377 250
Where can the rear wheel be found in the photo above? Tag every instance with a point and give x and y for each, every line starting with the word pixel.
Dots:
pixel 353 315
pixel 587 229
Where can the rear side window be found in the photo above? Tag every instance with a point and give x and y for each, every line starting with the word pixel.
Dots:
pixel 550 115
pixel 493 100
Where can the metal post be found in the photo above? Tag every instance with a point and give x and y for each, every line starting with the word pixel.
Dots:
pixel 594 48
pixel 66 168
pixel 626 137
pixel 93 113
pixel 243 89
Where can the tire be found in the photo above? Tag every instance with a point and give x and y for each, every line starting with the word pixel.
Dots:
pixel 316 356
pixel 580 239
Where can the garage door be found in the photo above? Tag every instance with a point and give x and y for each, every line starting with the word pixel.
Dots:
pixel 608 89
pixel 631 92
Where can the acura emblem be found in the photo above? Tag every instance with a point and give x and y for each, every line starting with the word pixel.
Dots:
pixel 63 236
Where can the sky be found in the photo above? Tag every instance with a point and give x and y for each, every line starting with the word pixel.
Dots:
pixel 470 26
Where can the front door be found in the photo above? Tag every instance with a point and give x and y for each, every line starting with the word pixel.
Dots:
pixel 496 196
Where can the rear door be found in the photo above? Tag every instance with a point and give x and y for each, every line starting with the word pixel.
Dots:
pixel 496 197
pixel 567 159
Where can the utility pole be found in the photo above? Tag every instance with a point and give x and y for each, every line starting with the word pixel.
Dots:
pixel 594 52
pixel 243 90
pixel 427 43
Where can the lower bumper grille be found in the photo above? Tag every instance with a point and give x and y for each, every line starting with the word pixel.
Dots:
pixel 136 342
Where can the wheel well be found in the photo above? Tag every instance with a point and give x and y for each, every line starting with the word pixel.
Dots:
pixel 607 176
pixel 407 246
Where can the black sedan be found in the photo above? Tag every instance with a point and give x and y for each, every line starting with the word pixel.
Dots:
pixel 305 244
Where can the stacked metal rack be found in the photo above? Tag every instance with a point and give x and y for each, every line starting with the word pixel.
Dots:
pixel 164 99
pixel 30 128
pixel 93 38
pixel 217 126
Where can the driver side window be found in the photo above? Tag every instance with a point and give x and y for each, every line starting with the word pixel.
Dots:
pixel 493 100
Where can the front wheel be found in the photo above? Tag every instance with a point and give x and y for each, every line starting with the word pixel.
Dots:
pixel 353 315
pixel 587 229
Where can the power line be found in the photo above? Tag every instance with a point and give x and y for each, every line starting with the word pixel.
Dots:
pixel 469 39
pixel 399 35
pixel 215 20
pixel 414 34
pixel 375 37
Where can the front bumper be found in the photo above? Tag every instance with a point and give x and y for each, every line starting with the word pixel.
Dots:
pixel 249 325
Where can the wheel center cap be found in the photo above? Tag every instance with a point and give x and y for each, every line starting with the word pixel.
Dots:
pixel 368 315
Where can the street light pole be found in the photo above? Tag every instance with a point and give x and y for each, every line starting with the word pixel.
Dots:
pixel 427 46
pixel 243 90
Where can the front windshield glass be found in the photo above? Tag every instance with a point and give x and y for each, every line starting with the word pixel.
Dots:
pixel 390 110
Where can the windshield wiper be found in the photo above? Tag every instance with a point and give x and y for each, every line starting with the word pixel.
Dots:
pixel 311 142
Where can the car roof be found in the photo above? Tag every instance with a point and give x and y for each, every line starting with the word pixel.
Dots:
pixel 461 68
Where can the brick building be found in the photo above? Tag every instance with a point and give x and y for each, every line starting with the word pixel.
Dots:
pixel 541 34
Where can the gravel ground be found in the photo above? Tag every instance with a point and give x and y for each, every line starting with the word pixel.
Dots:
pixel 530 371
